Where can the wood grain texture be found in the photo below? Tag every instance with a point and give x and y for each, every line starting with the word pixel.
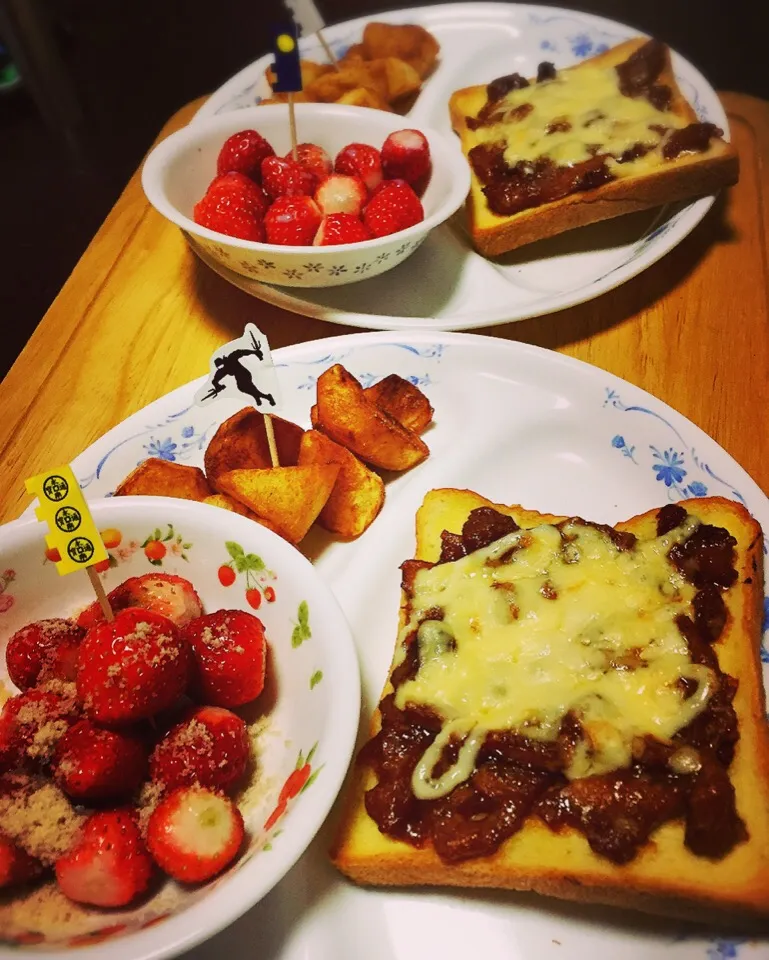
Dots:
pixel 140 316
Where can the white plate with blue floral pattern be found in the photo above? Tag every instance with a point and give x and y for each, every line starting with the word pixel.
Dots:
pixel 445 285
pixel 518 424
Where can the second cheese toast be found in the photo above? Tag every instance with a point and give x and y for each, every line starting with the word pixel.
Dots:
pixel 573 709
pixel 609 136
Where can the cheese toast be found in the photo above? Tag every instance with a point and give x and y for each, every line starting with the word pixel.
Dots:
pixel 586 143
pixel 659 629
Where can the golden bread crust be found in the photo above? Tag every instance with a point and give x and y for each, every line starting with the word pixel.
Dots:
pixel 665 878
pixel 687 176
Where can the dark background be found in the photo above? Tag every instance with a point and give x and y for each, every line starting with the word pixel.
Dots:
pixel 126 65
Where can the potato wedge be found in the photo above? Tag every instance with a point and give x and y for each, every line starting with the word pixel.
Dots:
pixel 402 400
pixel 362 97
pixel 241 442
pixel 349 418
pixel 355 53
pixel 164 478
pixel 402 79
pixel 358 493
pixel 234 506
pixel 290 498
pixel 331 86
pixel 408 42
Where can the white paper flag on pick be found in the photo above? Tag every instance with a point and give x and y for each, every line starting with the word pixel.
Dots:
pixel 306 15
pixel 243 369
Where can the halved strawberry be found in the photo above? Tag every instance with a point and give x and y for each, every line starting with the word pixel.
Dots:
pixel 164 593
pixel 110 866
pixel 360 160
pixel 194 833
pixel 210 747
pixel 340 193
pixel 406 156
pixel 133 667
pixel 44 650
pixel 313 158
pixel 91 763
pixel 16 866
pixel 229 651
pixel 341 228
pixel 244 152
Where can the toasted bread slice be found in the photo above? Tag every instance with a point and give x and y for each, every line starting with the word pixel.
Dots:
pixel 664 877
pixel 646 182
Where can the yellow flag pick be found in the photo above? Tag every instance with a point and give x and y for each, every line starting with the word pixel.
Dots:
pixel 72 529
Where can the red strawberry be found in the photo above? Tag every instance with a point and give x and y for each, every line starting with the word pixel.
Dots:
pixel 132 668
pixel 406 156
pixel 285 178
pixel 360 160
pixel 341 228
pixel 91 763
pixel 292 221
pixel 230 653
pixel 340 193
pixel 228 215
pixel 238 185
pixel 109 866
pixel 44 650
pixel 244 153
pixel 16 866
pixel 313 158
pixel 394 207
pixel 164 593
pixel 194 833
pixel 32 723
pixel 210 748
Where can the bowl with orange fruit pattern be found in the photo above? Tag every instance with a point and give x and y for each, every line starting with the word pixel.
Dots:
pixel 161 771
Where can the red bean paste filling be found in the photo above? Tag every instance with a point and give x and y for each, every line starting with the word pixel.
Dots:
pixel 512 188
pixel 517 777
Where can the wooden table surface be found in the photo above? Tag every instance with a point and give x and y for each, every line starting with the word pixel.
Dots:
pixel 140 315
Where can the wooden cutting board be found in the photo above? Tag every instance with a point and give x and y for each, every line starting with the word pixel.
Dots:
pixel 141 315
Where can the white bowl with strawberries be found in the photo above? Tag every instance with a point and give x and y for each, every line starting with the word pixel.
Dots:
pixel 360 195
pixel 160 772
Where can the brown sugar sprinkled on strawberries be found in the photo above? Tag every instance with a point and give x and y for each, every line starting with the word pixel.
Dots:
pixel 149 797
pixel 38 817
pixel 45 739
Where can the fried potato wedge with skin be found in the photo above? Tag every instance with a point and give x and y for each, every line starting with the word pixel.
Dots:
pixel 331 86
pixel 290 498
pixel 358 493
pixel 362 97
pixel 353 54
pixel 349 418
pixel 164 478
pixel 402 79
pixel 403 400
pixel 241 442
pixel 408 42
pixel 234 506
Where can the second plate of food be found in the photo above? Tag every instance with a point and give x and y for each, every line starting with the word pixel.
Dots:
pixel 445 284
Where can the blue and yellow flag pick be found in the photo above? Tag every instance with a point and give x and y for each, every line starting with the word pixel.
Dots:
pixel 72 530
pixel 288 70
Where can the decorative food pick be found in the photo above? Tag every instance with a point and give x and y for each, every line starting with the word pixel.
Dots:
pixel 73 533
pixel 244 368
pixel 310 21
pixel 288 70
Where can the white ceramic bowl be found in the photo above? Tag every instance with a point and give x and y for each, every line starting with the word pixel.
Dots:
pixel 178 171
pixel 315 713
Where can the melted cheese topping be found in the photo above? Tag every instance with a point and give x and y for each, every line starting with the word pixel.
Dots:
pixel 589 98
pixel 537 625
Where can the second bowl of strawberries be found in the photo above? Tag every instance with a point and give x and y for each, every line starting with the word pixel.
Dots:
pixel 358 193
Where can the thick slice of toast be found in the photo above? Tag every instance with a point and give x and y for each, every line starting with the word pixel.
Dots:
pixel 664 877
pixel 640 184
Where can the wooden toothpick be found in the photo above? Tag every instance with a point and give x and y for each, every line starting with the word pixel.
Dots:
pixel 327 48
pixel 292 125
pixel 270 430
pixel 101 596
